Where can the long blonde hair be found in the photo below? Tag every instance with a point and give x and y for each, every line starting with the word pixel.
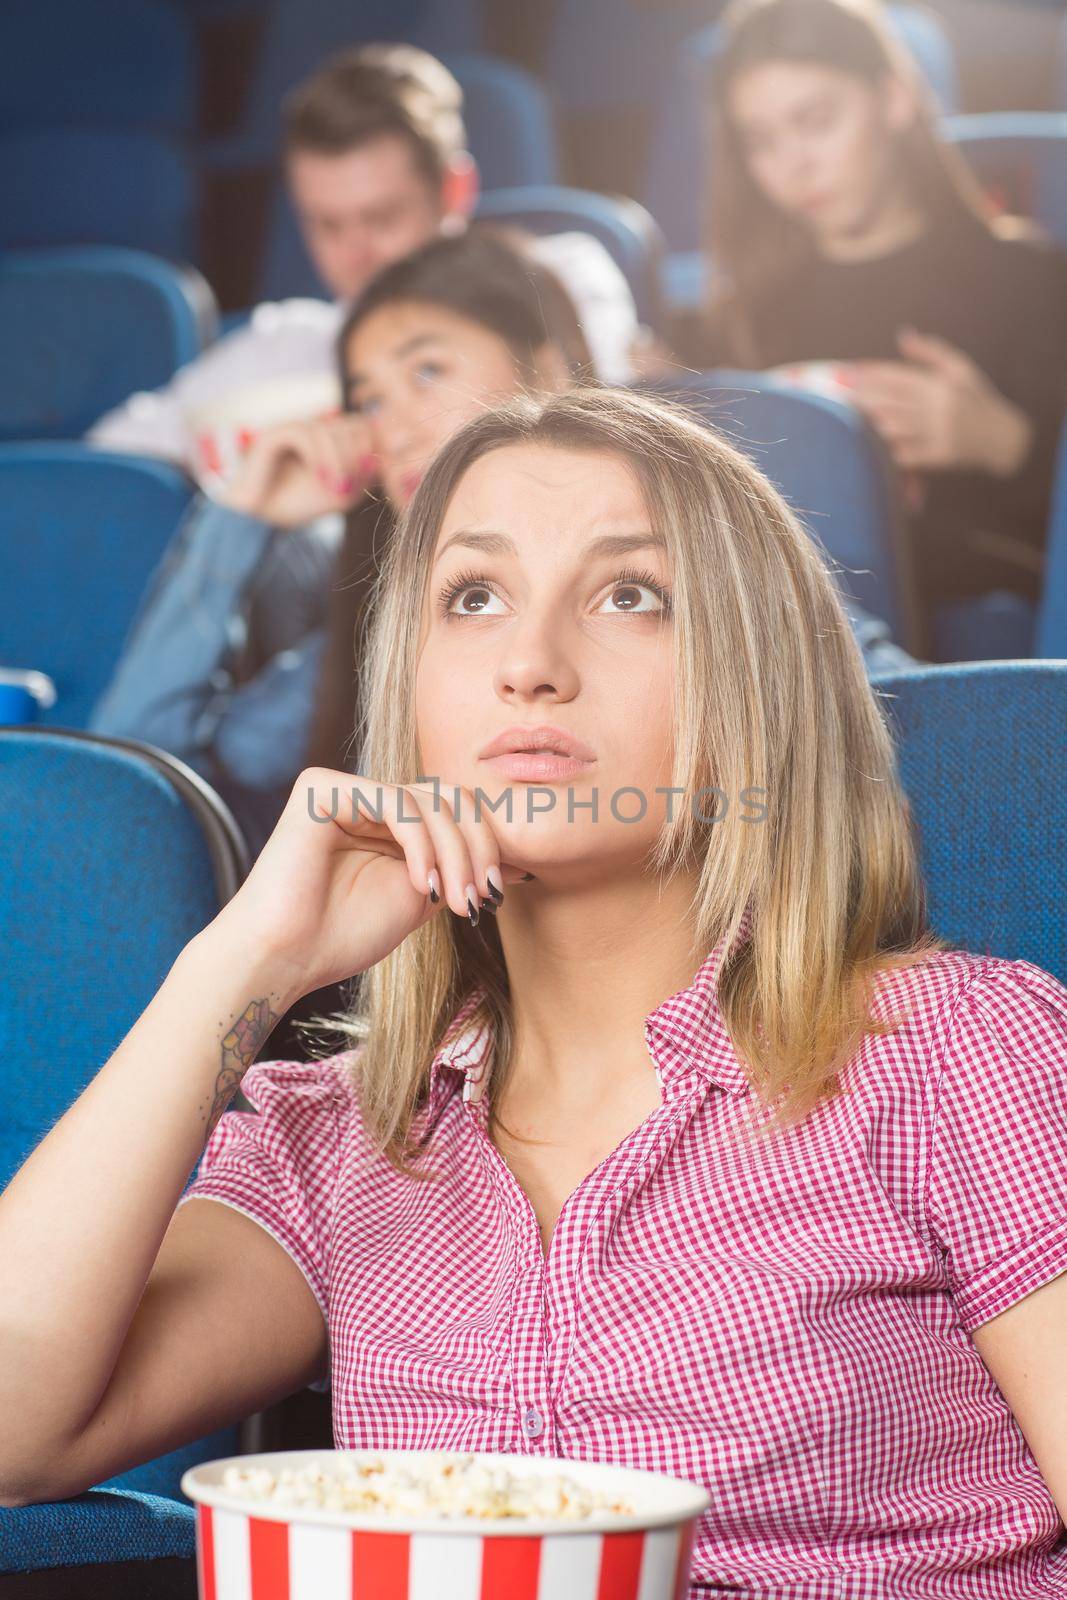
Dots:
pixel 771 692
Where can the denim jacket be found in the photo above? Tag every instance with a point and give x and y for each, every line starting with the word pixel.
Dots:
pixel 222 663
pixel 221 667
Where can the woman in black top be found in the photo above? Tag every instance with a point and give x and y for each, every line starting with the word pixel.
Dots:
pixel 847 230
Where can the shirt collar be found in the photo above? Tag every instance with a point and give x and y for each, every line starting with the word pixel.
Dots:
pixel 685 1034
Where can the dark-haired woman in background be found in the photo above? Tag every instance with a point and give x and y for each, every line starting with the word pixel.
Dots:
pixel 242 660
pixel 848 230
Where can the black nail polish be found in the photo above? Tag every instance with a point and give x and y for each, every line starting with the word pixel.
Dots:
pixel 434 896
pixel 497 894
pixel 489 905
pixel 472 912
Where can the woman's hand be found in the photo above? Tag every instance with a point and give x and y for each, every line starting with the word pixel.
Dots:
pixel 300 470
pixel 938 411
pixel 334 891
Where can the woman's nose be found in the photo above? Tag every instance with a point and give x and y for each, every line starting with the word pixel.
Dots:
pixel 535 662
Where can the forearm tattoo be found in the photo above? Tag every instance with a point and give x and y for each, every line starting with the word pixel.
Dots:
pixel 238 1048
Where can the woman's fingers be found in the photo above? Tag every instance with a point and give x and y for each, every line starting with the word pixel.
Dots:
pixel 488 873
pixel 420 821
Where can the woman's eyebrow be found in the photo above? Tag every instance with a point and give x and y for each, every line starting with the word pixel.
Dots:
pixel 492 543
pixel 409 347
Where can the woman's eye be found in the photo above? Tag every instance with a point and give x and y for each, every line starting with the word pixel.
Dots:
pixel 643 597
pixel 473 601
pixel 367 405
pixel 818 118
pixel 429 372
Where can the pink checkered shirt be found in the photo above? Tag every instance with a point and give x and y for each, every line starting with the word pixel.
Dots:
pixel 790 1329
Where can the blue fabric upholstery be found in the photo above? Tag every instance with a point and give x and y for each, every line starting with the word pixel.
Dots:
pixel 623 227
pixel 109 867
pixel 106 872
pixel 299 35
pixel 510 128
pixel 81 533
pixel 617 55
pixel 1021 158
pixel 103 1525
pixel 998 626
pixel 511 135
pixel 119 63
pixel 831 468
pixel 1051 636
pixel 59 187
pixel 679 184
pixel 163 1476
pixel 81 330
pixel 983 759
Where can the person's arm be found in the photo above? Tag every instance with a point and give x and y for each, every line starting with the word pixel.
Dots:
pixel 995 1192
pixel 880 653
pixel 151 423
pixel 292 339
pixel 258 733
pixel 173 665
pixel 601 296
pixel 227 1321
pixel 113 1349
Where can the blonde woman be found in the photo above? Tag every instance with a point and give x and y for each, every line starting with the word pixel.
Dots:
pixel 696 1151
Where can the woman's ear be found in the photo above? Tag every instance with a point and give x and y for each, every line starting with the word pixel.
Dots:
pixel 900 104
pixel 551 373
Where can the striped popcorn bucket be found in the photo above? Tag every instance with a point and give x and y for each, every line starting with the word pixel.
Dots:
pixel 253 1550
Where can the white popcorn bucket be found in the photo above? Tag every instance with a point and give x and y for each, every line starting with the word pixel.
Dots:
pixel 252 1550
pixel 223 431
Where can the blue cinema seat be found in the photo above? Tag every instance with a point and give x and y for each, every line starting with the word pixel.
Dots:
pixel 85 185
pixel 112 856
pixel 81 330
pixel 81 534
pixel 983 759
pixel 1020 158
pixel 1051 629
pixel 111 63
pixel 833 470
pixel 625 229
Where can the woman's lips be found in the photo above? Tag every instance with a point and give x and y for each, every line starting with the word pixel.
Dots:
pixel 537 766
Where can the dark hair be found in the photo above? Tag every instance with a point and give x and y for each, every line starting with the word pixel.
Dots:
pixel 371 92
pixel 489 276
pixel 757 245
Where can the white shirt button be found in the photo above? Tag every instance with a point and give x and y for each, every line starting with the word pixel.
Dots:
pixel 533 1423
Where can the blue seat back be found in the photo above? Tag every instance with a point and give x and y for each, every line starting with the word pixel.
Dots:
pixel 115 63
pixel 834 472
pixel 610 55
pixel 1020 158
pixel 104 1526
pixel 69 186
pixel 112 858
pixel 81 330
pixel 81 534
pixel 983 759
pixel 511 130
pixel 298 36
pixel 679 171
pixel 511 135
pixel 1051 637
pixel 625 229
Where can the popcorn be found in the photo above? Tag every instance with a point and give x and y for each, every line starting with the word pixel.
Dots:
pixel 443 1484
